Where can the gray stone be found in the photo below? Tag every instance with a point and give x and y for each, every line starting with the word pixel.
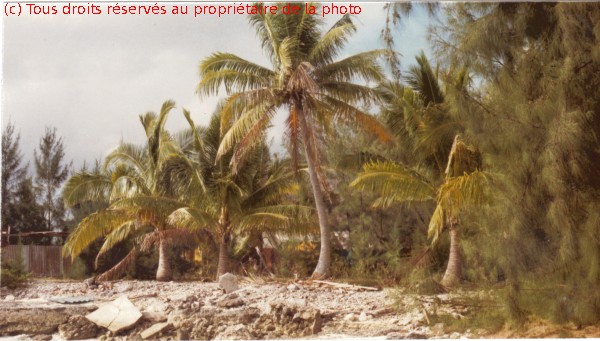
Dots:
pixel 9 298
pixel 116 315
pixel 228 282
pixel 154 329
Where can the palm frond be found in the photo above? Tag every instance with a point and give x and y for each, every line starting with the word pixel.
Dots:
pixel 94 226
pixel 84 186
pixel 392 182
pixel 120 268
pixel 330 44
pixel 362 66
pixel 116 236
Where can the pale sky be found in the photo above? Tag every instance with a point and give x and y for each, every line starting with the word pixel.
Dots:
pixel 92 76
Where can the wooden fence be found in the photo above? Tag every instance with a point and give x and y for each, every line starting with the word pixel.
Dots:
pixel 39 260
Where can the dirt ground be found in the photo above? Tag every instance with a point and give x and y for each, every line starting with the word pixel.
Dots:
pixel 257 310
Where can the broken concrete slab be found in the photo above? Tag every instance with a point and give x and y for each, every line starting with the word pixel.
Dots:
pixel 71 299
pixel 228 282
pixel 116 315
pixel 153 330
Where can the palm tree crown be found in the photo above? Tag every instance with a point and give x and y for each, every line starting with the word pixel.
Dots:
pixel 307 80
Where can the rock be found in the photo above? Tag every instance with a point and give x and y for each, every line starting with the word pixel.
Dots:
pixel 154 316
pixel 231 302
pixel 153 330
pixel 228 282
pixel 9 298
pixel 455 335
pixel 292 287
pixel 78 328
pixel 297 302
pixel 91 283
pixel 116 315
pixel 122 287
pixel 350 317
pixel 363 317
pixel 235 332
pixel 438 329
pixel 318 323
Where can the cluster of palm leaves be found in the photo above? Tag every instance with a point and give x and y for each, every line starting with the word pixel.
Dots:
pixel 216 179
pixel 173 189
pixel 443 168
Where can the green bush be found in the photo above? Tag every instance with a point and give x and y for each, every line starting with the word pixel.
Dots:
pixel 12 273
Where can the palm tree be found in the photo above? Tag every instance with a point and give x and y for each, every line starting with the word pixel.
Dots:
pixel 394 182
pixel 227 203
pixel 307 81
pixel 425 117
pixel 133 184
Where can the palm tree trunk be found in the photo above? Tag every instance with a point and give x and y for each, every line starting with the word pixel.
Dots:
pixel 164 267
pixel 223 266
pixel 322 269
pixel 453 270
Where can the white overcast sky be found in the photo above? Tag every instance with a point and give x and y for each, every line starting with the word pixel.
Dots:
pixel 92 76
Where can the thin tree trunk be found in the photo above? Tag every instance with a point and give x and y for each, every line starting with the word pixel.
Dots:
pixel 164 267
pixel 322 269
pixel 223 266
pixel 453 270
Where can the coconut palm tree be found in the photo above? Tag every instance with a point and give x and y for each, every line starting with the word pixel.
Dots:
pixel 227 203
pixel 133 185
pixel 394 182
pixel 425 116
pixel 307 81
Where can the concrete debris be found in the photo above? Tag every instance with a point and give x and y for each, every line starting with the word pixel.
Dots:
pixel 228 282
pixel 153 330
pixel 117 315
pixel 71 299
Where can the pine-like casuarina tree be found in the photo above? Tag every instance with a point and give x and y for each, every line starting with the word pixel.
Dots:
pixel 51 171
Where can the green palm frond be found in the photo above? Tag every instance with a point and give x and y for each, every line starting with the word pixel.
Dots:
pixel 259 116
pixel 127 155
pixel 84 186
pixel 362 66
pixel 192 218
pixel 423 79
pixel 437 224
pixel 274 218
pixel 116 236
pixel 94 226
pixel 159 205
pixel 393 183
pixel 332 41
pixel 467 190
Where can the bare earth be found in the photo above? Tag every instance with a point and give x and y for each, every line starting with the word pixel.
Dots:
pixel 195 310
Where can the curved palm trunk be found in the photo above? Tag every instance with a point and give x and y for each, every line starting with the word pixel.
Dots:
pixel 322 269
pixel 453 271
pixel 223 266
pixel 164 267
